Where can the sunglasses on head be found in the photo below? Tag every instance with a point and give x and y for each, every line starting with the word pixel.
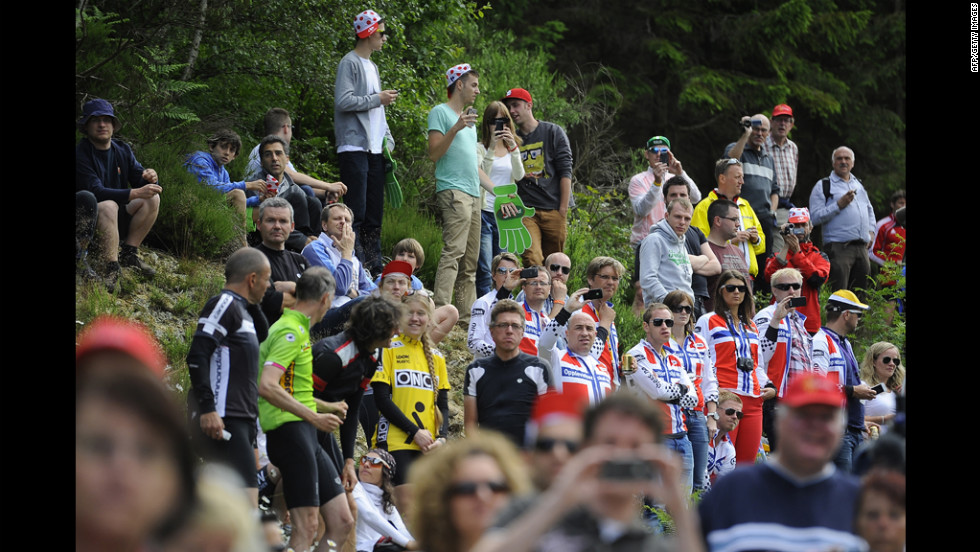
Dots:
pixel 546 444
pixel 662 321
pixel 683 308
pixel 470 488
pixel 786 287
pixel 730 288
pixel 564 269
pixel 731 411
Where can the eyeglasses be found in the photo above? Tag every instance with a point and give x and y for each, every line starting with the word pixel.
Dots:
pixel 423 292
pixel 537 284
pixel 372 461
pixel 736 220
pixel 470 488
pixel 505 325
pixel 786 287
pixel 546 444
pixel 382 33
pixel 857 313
pixel 505 270
pixel 683 308
pixel 731 288
pixel 564 269
pixel 731 411
pixel 889 360
pixel 661 321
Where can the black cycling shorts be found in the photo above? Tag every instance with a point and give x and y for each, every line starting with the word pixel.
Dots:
pixel 308 476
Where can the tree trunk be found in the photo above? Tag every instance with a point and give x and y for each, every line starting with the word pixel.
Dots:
pixel 196 43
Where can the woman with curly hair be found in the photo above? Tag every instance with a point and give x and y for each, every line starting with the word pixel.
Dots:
pixel 733 348
pixel 377 515
pixel 882 365
pixel 411 391
pixel 460 489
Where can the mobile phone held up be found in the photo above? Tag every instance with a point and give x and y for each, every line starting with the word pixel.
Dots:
pixel 797 302
pixel 530 272
pixel 498 124
pixel 592 294
pixel 632 469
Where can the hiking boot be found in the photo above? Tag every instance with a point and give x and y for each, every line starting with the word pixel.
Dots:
pixel 112 273
pixel 130 257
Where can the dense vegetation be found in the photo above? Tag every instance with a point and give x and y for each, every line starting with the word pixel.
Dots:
pixel 612 73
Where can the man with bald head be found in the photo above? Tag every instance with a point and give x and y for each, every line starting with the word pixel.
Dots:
pixel 223 366
pixel 575 370
pixel 761 187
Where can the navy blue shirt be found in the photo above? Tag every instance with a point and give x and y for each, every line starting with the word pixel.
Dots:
pixel 108 174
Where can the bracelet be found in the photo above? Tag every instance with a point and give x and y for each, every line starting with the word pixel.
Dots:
pixel 559 302
pixel 512 150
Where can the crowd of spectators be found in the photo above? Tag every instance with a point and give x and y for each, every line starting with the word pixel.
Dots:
pixel 573 439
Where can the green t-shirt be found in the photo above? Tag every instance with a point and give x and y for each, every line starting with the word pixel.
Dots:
pixel 288 348
pixel 458 168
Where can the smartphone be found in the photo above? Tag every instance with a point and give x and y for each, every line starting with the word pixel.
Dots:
pixel 880 388
pixel 530 272
pixel 471 111
pixel 592 294
pixel 498 124
pixel 632 469
pixel 665 158
pixel 797 302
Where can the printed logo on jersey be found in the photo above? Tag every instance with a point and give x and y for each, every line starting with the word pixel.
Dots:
pixel 411 378
pixel 382 431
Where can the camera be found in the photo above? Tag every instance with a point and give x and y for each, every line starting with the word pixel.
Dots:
pixel 750 123
pixel 744 364
pixel 627 470
pixel 592 294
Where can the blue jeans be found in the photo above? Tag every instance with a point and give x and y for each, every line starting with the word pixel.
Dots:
pixel 849 444
pixel 697 433
pixel 682 447
pixel 489 248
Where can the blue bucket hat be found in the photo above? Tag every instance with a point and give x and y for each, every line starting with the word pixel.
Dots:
pixel 97 108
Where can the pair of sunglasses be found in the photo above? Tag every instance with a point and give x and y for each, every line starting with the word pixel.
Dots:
pixel 470 488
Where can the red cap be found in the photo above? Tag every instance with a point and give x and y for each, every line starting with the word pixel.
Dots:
pixel 519 94
pixel 782 109
pixel 554 403
pixel 812 388
pixel 397 267
pixel 108 332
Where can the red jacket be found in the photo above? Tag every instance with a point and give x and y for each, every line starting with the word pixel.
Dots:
pixel 815 267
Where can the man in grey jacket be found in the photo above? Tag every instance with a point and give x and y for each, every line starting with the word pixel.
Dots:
pixel 664 262
pixel 361 129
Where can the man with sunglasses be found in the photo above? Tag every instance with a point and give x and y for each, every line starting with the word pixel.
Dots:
pixel 361 132
pixel 559 266
pixel 800 253
pixel 833 355
pixel 499 390
pixel 646 188
pixel 721 450
pixel 661 376
pixel 786 346
pixel 552 435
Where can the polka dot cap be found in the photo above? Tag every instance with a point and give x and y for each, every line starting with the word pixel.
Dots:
pixel 453 74
pixel 366 23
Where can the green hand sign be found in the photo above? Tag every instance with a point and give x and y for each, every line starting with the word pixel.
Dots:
pixel 514 237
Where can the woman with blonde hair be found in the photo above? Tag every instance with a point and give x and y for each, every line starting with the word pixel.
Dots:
pixel 882 365
pixel 499 152
pixel 411 391
pixel 462 487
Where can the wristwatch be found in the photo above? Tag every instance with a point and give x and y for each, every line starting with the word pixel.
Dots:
pixel 713 415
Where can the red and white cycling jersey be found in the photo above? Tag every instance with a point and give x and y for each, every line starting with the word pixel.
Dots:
pixel 657 376
pixel 828 358
pixel 534 324
pixel 696 359
pixel 725 348
pixel 583 378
